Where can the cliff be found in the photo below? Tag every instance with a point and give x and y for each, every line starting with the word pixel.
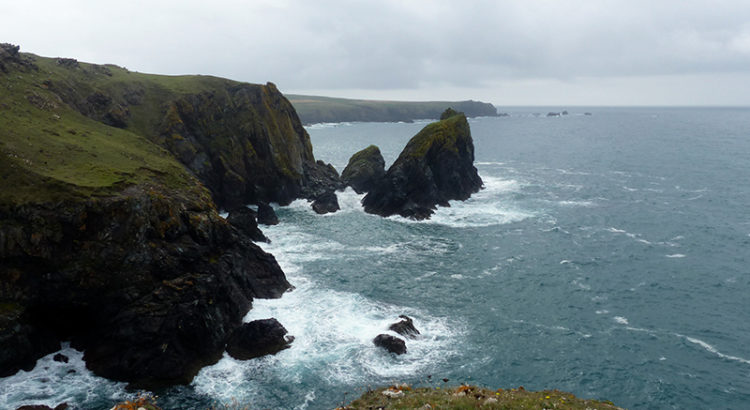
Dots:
pixel 106 239
pixel 437 165
pixel 243 141
pixel 314 109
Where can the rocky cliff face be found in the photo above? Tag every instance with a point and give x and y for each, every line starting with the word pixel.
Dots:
pixel 148 284
pixel 435 166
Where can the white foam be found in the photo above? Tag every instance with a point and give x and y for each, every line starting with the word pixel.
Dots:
pixel 621 320
pixel 51 383
pixel 602 312
pixel 675 256
pixel 713 349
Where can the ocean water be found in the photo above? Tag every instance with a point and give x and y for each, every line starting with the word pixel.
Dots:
pixel 607 256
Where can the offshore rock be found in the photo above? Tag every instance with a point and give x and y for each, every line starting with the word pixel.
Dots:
pixel 246 220
pixel 365 170
pixel 258 338
pixel 148 284
pixel 437 165
pixel 266 214
pixel 405 327
pixel 326 203
pixel 390 343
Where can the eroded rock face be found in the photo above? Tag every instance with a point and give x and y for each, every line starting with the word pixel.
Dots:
pixel 390 343
pixel 258 338
pixel 148 284
pixel 365 170
pixel 437 165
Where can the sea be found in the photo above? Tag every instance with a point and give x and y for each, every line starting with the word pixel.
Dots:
pixel 607 256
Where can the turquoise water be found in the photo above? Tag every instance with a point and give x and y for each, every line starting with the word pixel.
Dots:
pixel 606 256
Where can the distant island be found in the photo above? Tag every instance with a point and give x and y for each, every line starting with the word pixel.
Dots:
pixel 315 109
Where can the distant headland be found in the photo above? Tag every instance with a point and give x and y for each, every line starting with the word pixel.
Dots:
pixel 314 109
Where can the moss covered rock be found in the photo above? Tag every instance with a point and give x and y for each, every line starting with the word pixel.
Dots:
pixel 437 165
pixel 365 170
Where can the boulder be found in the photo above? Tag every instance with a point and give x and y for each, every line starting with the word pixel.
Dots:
pixel 246 220
pixel 365 169
pixel 258 338
pixel 326 203
pixel 266 214
pixel 61 406
pixel 60 358
pixel 435 166
pixel 390 343
pixel 320 178
pixel 405 327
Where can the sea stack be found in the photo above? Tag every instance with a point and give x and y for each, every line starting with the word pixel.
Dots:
pixel 437 165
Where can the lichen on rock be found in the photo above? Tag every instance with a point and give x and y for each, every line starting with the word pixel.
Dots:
pixel 365 170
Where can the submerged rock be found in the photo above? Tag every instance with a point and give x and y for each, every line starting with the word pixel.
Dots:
pixel 258 338
pixel 435 166
pixel 390 343
pixel 246 220
pixel 365 169
pixel 326 203
pixel 405 327
pixel 266 214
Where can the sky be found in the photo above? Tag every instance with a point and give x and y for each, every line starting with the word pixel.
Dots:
pixel 526 52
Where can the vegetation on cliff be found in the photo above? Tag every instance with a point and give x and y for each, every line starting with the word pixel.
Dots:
pixel 437 165
pixel 472 397
pixel 314 109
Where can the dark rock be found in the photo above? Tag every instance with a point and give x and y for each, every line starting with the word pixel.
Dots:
pixel 148 284
pixel 449 112
pixel 60 358
pixel 405 327
pixel 68 63
pixel 435 166
pixel 564 113
pixel 365 169
pixel 246 220
pixel 61 406
pixel 258 338
pixel 10 58
pixel 320 179
pixel 326 203
pixel 587 113
pixel 266 214
pixel 553 114
pixel 390 343
pixel 503 114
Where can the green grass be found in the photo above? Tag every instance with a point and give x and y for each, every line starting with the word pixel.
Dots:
pixel 443 133
pixel 472 397
pixel 49 151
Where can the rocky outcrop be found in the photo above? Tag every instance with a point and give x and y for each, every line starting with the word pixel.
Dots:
pixel 405 327
pixel 246 221
pixel 365 170
pixel 258 338
pixel 435 166
pixel 148 283
pixel 326 203
pixel 266 214
pixel 390 343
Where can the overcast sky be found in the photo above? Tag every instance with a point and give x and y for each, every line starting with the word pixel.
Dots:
pixel 526 52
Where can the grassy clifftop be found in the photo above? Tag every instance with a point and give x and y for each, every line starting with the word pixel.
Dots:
pixel 51 151
pixel 314 109
pixel 79 128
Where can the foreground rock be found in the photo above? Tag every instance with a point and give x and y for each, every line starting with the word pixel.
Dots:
pixel 405 327
pixel 390 343
pixel 365 170
pixel 258 338
pixel 246 221
pixel 435 166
